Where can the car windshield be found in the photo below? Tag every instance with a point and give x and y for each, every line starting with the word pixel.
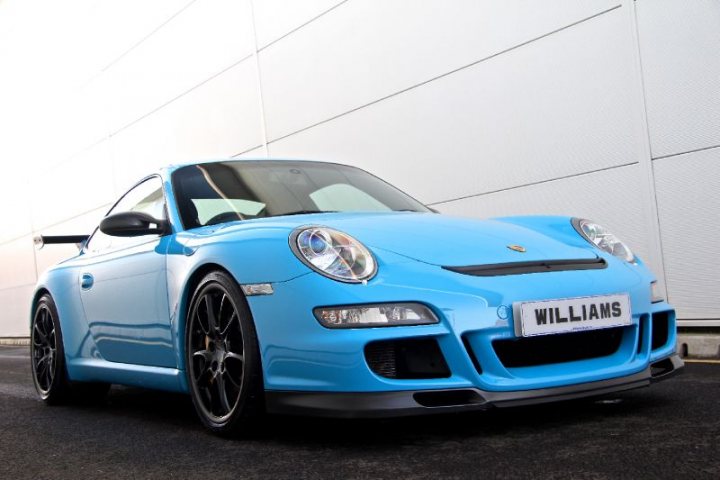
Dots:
pixel 212 193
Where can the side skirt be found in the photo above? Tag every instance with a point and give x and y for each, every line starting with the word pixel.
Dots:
pixel 97 370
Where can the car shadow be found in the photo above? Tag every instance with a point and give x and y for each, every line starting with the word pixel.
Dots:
pixel 456 426
pixel 163 408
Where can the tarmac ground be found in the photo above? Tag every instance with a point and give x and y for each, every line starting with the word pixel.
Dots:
pixel 670 430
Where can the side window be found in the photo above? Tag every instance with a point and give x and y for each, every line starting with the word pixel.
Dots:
pixel 146 197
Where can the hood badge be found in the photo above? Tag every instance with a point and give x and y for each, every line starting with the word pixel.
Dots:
pixel 517 248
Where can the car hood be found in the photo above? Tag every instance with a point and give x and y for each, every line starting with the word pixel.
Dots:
pixel 453 241
pixel 438 239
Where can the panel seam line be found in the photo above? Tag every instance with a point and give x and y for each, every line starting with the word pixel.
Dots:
pixel 455 70
pixel 530 184
pixel 702 149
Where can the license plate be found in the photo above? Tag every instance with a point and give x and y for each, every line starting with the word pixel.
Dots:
pixel 571 314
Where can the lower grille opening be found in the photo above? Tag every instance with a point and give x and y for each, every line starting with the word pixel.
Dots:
pixel 448 398
pixel 660 329
pixel 407 359
pixel 561 348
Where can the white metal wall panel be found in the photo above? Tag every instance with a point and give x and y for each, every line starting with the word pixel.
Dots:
pixel 73 187
pixel 115 27
pixel 216 120
pixel 14 198
pixel 276 18
pixel 204 39
pixel 15 317
pixel 65 52
pixel 680 45
pixel 609 197
pixel 688 195
pixel 364 50
pixel 559 106
pixel 17 256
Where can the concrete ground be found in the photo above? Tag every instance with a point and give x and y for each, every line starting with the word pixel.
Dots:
pixel 671 430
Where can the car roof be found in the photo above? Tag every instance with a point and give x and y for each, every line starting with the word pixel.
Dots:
pixel 175 166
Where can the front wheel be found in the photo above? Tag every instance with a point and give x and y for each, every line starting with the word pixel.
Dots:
pixel 222 356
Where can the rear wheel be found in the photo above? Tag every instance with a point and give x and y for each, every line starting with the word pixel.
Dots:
pixel 48 360
pixel 46 352
pixel 222 356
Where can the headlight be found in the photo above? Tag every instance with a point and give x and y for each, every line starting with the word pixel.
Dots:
pixel 333 254
pixel 381 315
pixel 603 239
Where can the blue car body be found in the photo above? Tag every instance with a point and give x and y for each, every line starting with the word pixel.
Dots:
pixel 123 313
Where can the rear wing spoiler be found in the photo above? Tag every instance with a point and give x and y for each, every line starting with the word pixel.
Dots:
pixel 42 240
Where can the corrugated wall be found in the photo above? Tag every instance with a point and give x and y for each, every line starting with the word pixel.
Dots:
pixel 608 110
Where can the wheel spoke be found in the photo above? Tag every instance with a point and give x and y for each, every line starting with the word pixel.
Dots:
pixel 45 359
pixel 206 355
pixel 43 338
pixel 220 314
pixel 229 322
pixel 211 318
pixel 41 366
pixel 221 390
pixel 206 374
pixel 51 367
pixel 49 376
pixel 202 324
pixel 235 356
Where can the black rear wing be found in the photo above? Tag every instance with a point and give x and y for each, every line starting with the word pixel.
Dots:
pixel 42 240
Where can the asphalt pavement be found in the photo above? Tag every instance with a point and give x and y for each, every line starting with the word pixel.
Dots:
pixel 670 430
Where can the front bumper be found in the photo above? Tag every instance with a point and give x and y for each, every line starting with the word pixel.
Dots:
pixel 408 403
pixel 308 368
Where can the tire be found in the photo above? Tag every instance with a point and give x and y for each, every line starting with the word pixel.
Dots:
pixel 47 358
pixel 222 357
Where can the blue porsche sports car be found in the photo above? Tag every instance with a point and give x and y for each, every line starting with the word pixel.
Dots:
pixel 318 289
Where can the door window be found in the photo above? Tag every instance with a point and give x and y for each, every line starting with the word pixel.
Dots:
pixel 146 197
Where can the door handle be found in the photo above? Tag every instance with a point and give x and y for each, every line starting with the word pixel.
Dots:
pixel 86 281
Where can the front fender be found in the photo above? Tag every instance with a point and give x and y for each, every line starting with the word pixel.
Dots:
pixel 255 255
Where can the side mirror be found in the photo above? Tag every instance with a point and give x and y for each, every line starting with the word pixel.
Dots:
pixel 133 224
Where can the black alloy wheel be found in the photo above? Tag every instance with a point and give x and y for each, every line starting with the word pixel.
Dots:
pixel 46 353
pixel 47 357
pixel 222 356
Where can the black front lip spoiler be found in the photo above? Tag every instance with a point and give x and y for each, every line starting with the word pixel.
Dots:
pixel 422 402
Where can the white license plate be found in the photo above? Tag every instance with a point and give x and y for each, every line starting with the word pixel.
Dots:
pixel 571 314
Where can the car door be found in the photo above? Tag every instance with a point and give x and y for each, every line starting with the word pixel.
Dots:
pixel 123 286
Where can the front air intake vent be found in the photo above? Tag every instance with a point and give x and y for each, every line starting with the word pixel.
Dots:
pixel 566 347
pixel 519 268
pixel 660 329
pixel 407 359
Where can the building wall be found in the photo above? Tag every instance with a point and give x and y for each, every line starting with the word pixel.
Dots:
pixel 603 109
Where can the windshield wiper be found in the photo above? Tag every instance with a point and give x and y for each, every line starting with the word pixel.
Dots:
pixel 302 212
